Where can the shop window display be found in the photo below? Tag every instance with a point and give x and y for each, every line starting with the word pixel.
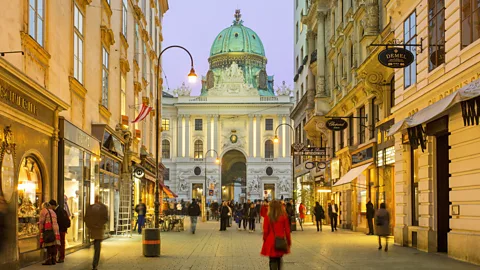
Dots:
pixel 74 194
pixel 29 202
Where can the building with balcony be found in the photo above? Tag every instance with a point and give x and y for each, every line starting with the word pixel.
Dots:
pixel 234 119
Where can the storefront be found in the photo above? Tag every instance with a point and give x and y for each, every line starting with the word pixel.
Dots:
pixel 385 161
pixel 352 189
pixel 28 160
pixel 112 153
pixel 78 179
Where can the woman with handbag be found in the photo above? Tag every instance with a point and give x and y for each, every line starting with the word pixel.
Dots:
pixel 382 222
pixel 276 235
pixel 319 215
pixel 49 233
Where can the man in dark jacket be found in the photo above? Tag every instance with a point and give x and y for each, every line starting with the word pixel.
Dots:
pixel 370 216
pixel 246 206
pixel 141 210
pixel 193 211
pixel 63 224
pixel 96 215
pixel 333 214
pixel 257 207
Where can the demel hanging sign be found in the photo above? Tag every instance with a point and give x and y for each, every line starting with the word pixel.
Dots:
pixel 396 57
pixel 336 124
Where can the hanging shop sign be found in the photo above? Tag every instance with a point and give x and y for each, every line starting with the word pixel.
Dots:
pixel 396 57
pixel 312 151
pixel 138 172
pixel 336 124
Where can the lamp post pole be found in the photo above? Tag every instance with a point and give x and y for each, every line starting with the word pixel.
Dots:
pixel 293 158
pixel 191 76
pixel 204 200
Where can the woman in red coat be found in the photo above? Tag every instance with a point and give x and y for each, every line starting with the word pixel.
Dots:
pixel 275 224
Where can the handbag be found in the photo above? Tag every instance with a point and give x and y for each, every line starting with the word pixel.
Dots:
pixel 48 235
pixel 280 242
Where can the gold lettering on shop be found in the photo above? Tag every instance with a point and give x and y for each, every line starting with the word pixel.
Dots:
pixel 17 100
pixel 453 89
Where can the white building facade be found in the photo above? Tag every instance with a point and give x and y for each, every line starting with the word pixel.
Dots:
pixel 234 120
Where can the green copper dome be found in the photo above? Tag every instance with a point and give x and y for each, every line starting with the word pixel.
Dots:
pixel 237 38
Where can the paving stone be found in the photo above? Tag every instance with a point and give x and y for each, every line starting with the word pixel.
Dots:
pixel 209 249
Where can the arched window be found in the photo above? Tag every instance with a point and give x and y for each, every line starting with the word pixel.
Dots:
pixel 165 149
pixel 198 149
pixel 269 149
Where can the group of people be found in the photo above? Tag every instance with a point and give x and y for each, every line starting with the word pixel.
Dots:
pixel 54 223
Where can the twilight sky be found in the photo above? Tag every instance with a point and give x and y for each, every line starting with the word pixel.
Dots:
pixel 194 24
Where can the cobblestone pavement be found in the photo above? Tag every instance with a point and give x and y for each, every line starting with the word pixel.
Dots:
pixel 211 249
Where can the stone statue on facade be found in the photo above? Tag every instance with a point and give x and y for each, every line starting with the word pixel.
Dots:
pixel 254 184
pixel 182 182
pixel 182 91
pixel 284 90
pixel 284 185
pixel 231 81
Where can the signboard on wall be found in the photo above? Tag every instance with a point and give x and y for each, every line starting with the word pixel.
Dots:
pixel 362 155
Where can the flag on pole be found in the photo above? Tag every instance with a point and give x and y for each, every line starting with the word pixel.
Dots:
pixel 143 113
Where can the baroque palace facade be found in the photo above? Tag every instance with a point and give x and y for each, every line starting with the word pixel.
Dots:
pixel 412 135
pixel 68 93
pixel 234 120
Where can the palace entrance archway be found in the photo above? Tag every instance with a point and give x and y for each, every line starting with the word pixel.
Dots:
pixel 234 176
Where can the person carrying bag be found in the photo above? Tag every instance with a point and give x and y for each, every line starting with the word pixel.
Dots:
pixel 49 233
pixel 276 235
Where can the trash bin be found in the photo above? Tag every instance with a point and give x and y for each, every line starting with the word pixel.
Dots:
pixel 151 242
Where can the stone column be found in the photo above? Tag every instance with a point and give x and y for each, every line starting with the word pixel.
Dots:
pixel 209 131
pixel 215 133
pixel 187 135
pixel 250 135
pixel 258 137
pixel 179 134
pixel 311 78
pixel 278 152
pixel 321 64
pixel 372 17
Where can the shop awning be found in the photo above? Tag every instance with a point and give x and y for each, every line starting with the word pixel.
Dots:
pixel 167 191
pixel 468 95
pixel 352 174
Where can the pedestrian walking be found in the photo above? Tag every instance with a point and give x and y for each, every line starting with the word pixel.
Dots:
pixel 370 216
pixel 276 235
pixel 239 215
pixel 382 220
pixel 225 214
pixel 252 216
pixel 49 233
pixel 193 211
pixel 246 206
pixel 258 206
pixel 333 214
pixel 290 213
pixel 96 216
pixel 264 211
pixel 319 215
pixel 302 211
pixel 141 210
pixel 63 221
pixel 179 208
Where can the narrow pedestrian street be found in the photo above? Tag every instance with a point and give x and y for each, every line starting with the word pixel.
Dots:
pixel 211 249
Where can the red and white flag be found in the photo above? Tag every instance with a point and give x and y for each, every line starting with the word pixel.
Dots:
pixel 143 113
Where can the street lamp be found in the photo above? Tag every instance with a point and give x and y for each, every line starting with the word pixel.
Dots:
pixel 191 78
pixel 276 140
pixel 204 199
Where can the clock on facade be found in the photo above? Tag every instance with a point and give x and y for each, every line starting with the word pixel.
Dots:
pixel 233 138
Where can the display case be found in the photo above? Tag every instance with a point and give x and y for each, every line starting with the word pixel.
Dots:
pixel 29 202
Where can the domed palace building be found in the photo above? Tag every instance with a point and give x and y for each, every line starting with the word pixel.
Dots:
pixel 223 140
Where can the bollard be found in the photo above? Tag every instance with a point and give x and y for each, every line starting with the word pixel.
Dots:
pixel 151 242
